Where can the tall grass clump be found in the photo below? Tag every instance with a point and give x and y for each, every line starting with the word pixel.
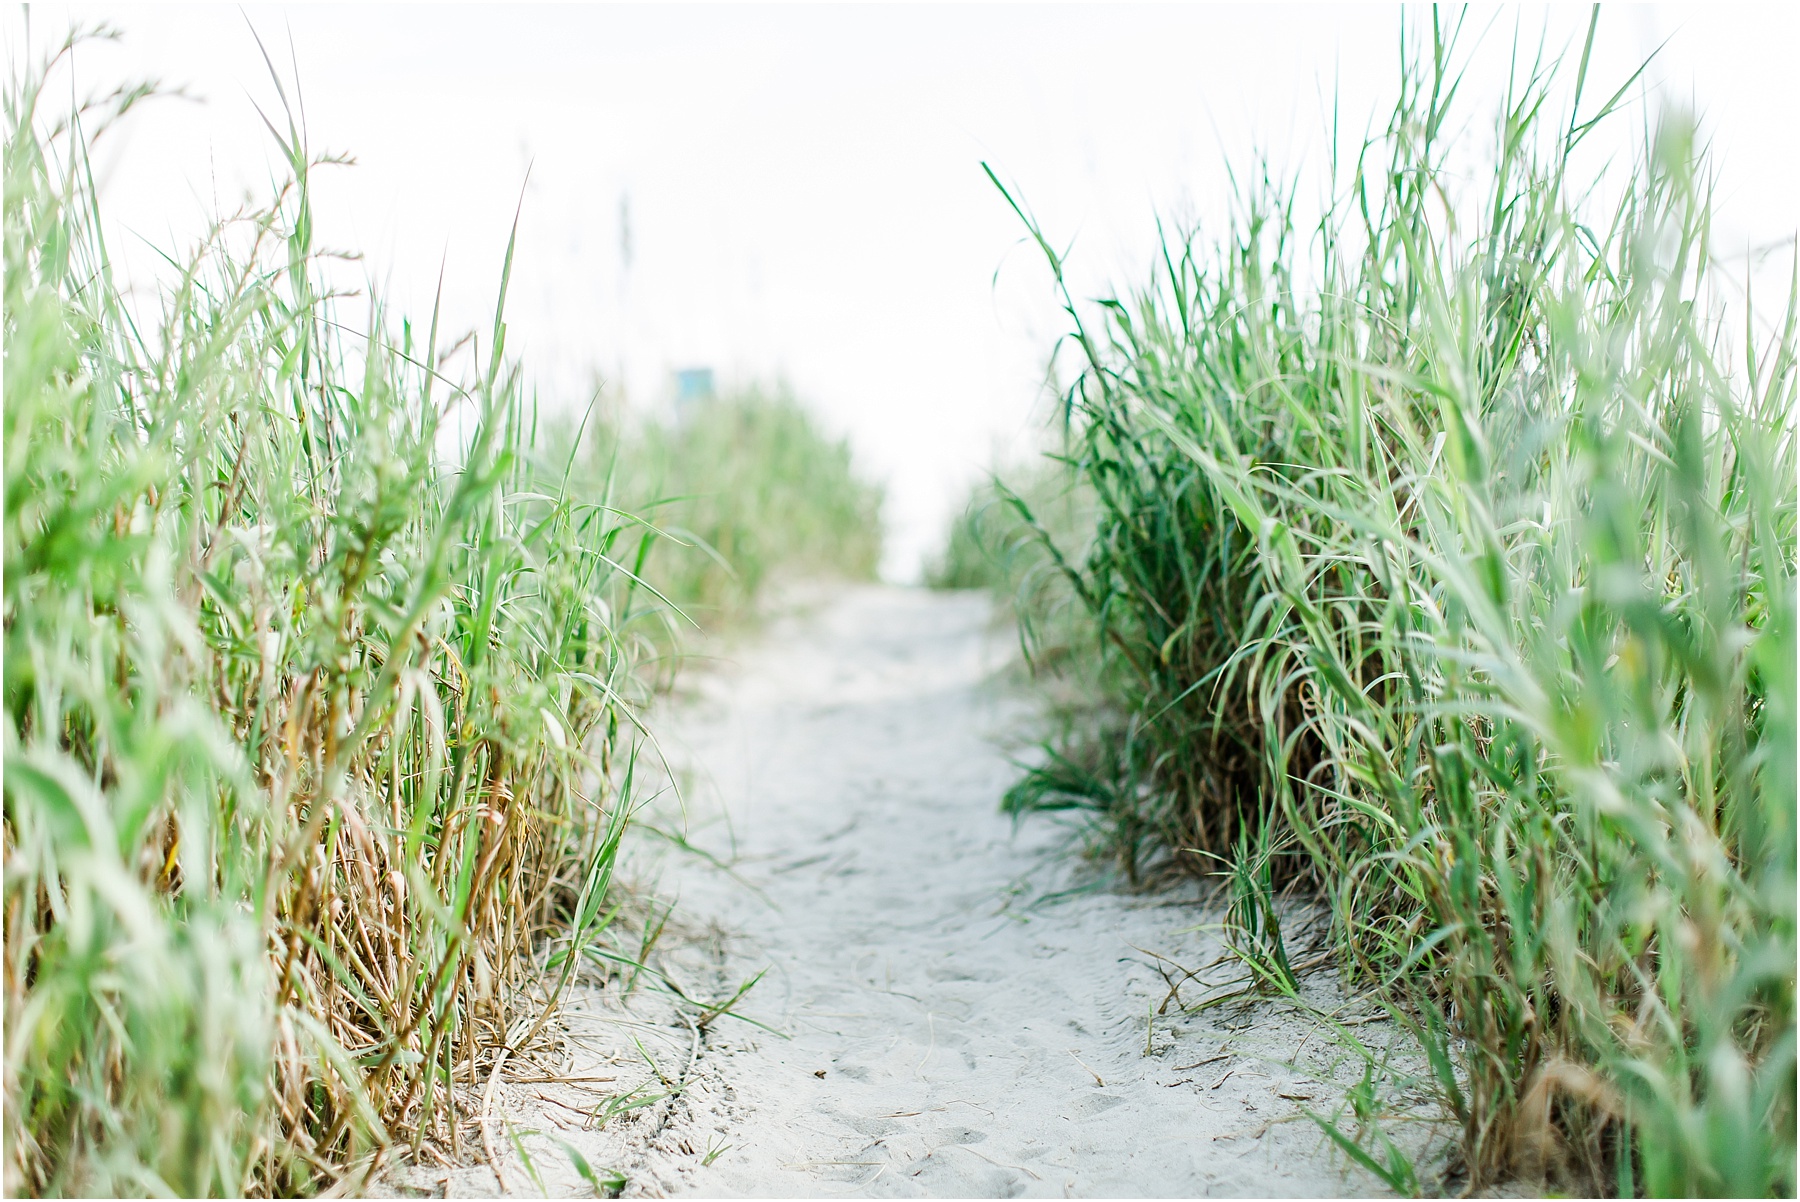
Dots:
pixel 739 492
pixel 1444 563
pixel 317 690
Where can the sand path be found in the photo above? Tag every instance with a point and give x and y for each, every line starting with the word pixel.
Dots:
pixel 947 1025
pixel 946 1035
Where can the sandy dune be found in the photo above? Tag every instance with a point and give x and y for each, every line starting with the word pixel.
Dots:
pixel 948 1031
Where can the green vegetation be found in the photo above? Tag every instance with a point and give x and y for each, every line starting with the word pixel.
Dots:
pixel 1010 538
pixel 320 684
pixel 984 549
pixel 745 490
pixel 1442 565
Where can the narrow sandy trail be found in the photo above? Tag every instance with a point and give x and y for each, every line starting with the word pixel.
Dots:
pixel 947 1032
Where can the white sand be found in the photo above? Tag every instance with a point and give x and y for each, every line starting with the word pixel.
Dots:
pixel 945 1035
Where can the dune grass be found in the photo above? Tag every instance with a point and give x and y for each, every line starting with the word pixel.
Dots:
pixel 1443 566
pixel 322 679
pixel 744 490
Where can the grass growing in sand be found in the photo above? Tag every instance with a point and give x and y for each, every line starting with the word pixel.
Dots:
pixel 744 490
pixel 320 676
pixel 1442 563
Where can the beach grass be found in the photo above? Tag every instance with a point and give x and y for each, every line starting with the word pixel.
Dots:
pixel 741 492
pixel 325 679
pixel 1442 570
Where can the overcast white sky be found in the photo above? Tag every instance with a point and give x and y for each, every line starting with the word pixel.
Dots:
pixel 803 183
